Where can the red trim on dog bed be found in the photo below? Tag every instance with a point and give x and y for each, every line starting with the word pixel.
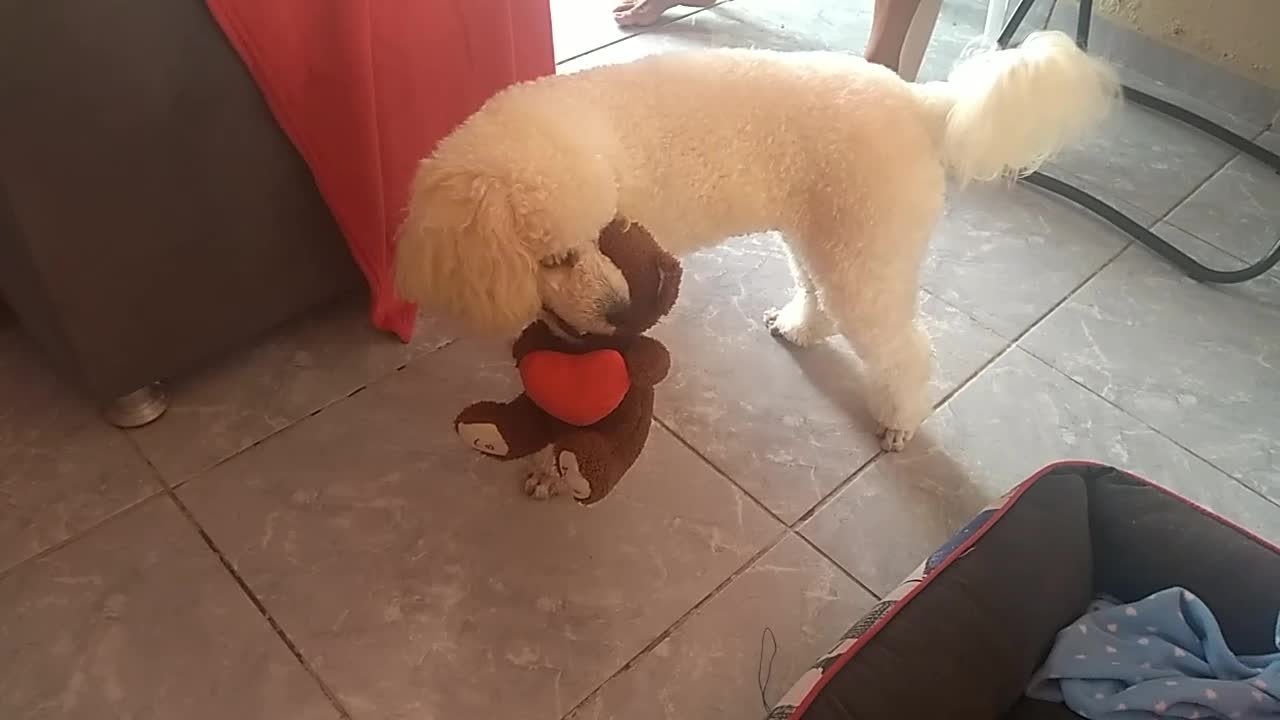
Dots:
pixel 1012 499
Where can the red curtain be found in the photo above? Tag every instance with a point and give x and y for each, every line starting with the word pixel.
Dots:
pixel 365 88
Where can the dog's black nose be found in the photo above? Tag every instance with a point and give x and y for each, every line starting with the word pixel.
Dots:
pixel 616 313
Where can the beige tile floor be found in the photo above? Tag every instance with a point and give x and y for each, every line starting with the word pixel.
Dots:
pixel 301 537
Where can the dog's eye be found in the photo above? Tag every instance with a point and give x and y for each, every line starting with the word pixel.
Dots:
pixel 565 259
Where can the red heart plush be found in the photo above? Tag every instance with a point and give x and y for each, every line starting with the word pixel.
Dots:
pixel 578 389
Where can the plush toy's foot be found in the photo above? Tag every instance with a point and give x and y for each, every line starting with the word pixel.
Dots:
pixel 567 465
pixel 543 481
pixel 484 437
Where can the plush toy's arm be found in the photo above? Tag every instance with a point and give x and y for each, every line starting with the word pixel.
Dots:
pixel 535 337
pixel 648 361
pixel 507 431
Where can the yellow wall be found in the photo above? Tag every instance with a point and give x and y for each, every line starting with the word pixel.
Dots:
pixel 1241 35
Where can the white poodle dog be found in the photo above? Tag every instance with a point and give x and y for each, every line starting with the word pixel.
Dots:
pixel 842 157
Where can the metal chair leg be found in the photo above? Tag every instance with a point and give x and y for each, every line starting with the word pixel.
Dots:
pixel 135 409
pixel 1189 265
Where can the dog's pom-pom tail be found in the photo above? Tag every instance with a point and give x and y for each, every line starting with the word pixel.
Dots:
pixel 1006 111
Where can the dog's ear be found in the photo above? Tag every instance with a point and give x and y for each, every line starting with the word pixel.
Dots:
pixel 460 252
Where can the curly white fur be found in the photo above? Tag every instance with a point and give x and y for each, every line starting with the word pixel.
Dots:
pixel 844 158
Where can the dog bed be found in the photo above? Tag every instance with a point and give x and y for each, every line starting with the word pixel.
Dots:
pixel 962 636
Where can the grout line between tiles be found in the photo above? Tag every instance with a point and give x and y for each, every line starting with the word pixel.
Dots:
pixel 286 428
pixel 823 553
pixel 1153 429
pixel 1015 343
pixel 1183 201
pixel 793 526
pixel 960 310
pixel 719 471
pixel 82 534
pixel 259 606
pixel 715 592
pixel 1213 245
pixel 1166 217
pixel 164 486
pixel 830 497
pixel 160 488
pixel 806 515
pixel 1017 340
pixel 1064 175
pixel 769 511
pixel 683 619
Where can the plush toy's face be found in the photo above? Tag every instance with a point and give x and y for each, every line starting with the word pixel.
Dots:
pixel 623 285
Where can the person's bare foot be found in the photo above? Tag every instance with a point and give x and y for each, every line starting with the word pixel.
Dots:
pixel 638 13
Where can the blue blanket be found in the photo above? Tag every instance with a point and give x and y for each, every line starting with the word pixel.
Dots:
pixel 1161 657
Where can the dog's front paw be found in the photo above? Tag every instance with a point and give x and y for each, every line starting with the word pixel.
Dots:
pixel 798 322
pixel 484 437
pixel 893 439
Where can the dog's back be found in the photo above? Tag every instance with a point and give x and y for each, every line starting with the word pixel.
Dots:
pixel 708 144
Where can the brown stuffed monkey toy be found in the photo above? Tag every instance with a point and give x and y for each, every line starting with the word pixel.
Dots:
pixel 588 401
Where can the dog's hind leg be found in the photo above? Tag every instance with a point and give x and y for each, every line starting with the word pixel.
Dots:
pixel 802 320
pixel 897 358
pixel 879 320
